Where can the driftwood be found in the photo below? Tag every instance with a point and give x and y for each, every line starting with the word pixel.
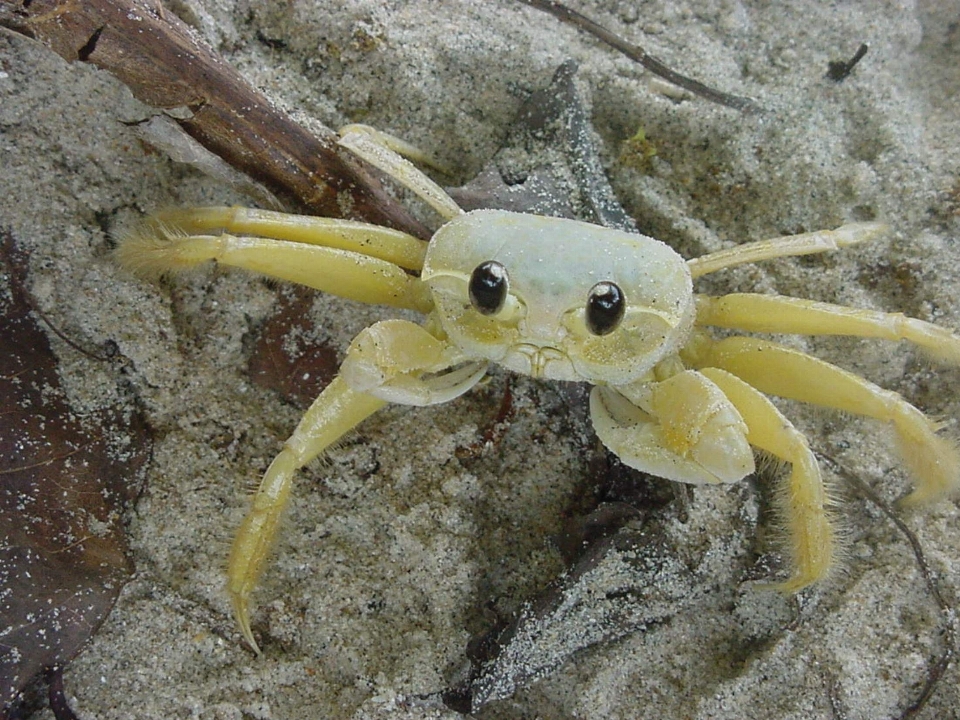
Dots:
pixel 166 65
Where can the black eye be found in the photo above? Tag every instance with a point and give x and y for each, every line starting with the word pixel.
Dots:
pixel 605 306
pixel 488 287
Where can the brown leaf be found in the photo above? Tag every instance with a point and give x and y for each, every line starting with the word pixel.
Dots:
pixel 64 484
pixel 284 358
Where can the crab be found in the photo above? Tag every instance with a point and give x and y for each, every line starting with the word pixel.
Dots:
pixel 565 300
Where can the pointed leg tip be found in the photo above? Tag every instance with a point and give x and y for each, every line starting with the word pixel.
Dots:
pixel 241 614
pixel 248 636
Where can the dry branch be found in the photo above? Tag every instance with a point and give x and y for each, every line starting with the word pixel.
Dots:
pixel 166 65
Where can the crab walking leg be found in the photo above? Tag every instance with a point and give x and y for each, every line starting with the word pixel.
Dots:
pixel 398 145
pixel 390 361
pixel 391 245
pixel 805 504
pixel 778 370
pixel 380 150
pixel 154 249
pixel 786 246
pixel 780 314
pixel 336 411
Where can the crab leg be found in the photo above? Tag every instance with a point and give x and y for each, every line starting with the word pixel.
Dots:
pixel 384 152
pixel 698 427
pixel 391 361
pixel 158 247
pixel 336 411
pixel 805 505
pixel 391 245
pixel 778 370
pixel 779 314
pixel 786 246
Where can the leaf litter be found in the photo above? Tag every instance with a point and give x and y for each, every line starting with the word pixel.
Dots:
pixel 65 483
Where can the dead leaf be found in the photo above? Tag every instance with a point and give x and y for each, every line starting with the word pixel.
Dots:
pixel 64 485
pixel 285 358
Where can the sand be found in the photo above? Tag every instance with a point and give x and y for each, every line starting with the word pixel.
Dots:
pixel 395 552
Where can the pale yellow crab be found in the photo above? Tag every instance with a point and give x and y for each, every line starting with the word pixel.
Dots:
pixel 564 300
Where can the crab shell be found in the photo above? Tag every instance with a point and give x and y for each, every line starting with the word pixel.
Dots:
pixel 551 265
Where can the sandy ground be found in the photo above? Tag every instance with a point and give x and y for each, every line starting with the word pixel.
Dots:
pixel 395 552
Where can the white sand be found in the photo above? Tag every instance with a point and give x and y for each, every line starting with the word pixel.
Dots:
pixel 379 581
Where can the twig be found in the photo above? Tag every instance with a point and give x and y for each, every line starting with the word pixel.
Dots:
pixel 638 54
pixel 166 65
pixel 58 701
pixel 940 665
pixel 838 70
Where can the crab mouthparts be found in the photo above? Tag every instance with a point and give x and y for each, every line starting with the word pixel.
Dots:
pixel 540 361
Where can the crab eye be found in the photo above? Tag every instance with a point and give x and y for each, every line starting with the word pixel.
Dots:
pixel 605 307
pixel 488 287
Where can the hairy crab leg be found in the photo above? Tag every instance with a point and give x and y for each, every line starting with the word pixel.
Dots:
pixel 805 505
pixel 372 240
pixel 155 248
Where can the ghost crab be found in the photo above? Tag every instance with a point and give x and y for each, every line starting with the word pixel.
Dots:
pixel 564 300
